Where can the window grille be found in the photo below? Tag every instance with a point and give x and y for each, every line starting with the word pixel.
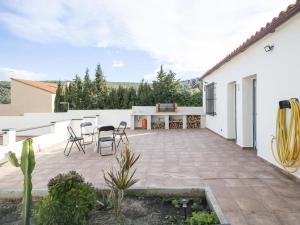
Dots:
pixel 210 95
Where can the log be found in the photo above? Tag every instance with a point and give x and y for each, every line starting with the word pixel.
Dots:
pixel 158 125
pixel 193 121
pixel 175 124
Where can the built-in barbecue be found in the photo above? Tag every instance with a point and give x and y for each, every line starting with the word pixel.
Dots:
pixel 166 107
pixel 166 116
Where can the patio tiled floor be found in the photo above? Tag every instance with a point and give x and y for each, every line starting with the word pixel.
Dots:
pixel 248 190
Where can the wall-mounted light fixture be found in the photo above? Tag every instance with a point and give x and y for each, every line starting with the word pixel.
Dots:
pixel 268 48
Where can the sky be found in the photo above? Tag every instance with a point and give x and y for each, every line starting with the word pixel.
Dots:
pixel 56 39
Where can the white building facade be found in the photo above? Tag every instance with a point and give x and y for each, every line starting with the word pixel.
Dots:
pixel 242 92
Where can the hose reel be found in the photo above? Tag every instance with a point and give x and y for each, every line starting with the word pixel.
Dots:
pixel 286 145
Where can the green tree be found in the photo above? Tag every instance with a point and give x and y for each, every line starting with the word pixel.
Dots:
pixel 166 87
pixel 100 88
pixel 59 97
pixel 71 95
pixel 67 93
pixel 113 99
pixel 78 93
pixel 197 98
pixel 121 100
pixel 132 97
pixel 87 91
pixel 95 94
pixel 145 94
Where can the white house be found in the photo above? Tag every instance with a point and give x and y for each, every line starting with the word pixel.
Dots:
pixel 242 91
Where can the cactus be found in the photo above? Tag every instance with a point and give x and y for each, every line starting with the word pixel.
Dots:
pixel 26 164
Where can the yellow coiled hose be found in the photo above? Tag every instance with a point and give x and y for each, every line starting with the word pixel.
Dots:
pixel 287 151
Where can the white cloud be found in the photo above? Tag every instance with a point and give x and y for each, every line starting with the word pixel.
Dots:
pixel 6 73
pixel 118 64
pixel 192 35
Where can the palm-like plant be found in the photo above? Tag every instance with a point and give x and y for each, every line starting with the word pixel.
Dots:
pixel 123 178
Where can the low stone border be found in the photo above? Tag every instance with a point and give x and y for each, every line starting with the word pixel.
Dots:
pixel 202 192
pixel 189 192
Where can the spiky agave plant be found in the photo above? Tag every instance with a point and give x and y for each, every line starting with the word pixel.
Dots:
pixel 123 178
pixel 27 165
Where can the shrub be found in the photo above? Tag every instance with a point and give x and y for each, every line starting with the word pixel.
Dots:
pixel 203 218
pixel 69 201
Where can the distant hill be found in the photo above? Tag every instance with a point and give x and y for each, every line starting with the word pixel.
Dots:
pixel 125 84
pixel 109 83
pixel 194 83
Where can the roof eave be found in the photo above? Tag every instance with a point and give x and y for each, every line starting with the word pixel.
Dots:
pixel 271 27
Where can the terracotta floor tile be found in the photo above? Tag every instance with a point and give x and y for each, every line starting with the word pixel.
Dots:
pixel 236 218
pixel 248 189
pixel 259 218
pixel 290 218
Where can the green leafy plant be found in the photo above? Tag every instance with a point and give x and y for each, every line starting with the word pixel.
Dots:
pixel 203 218
pixel 27 165
pixel 123 178
pixel 176 203
pixel 69 201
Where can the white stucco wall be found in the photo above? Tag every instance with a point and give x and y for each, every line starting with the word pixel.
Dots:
pixel 107 116
pixel 111 117
pixel 57 134
pixel 278 78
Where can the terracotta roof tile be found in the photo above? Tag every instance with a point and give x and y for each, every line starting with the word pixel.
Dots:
pixel 49 87
pixel 268 28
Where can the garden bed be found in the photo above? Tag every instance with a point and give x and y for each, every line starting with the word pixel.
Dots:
pixel 140 207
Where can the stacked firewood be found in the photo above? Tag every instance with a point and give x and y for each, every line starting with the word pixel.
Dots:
pixel 175 124
pixel 193 121
pixel 158 125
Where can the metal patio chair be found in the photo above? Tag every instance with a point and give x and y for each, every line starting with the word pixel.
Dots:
pixel 120 131
pixel 73 139
pixel 103 139
pixel 87 130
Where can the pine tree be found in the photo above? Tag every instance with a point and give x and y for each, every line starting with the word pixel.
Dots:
pixel 71 95
pixel 121 94
pixel 132 97
pixel 100 89
pixel 87 91
pixel 113 99
pixel 145 94
pixel 59 97
pixel 67 94
pixel 96 94
pixel 78 93
pixel 166 87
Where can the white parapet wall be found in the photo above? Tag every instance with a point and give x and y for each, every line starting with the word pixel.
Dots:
pixel 48 129
pixel 105 117
pixel 57 135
